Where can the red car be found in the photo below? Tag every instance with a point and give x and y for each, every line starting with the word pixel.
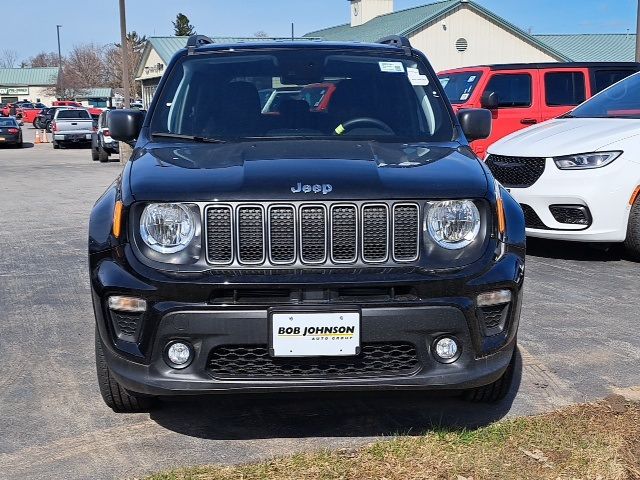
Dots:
pixel 93 111
pixel 520 95
pixel 12 110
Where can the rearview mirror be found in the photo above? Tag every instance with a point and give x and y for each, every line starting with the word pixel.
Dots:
pixel 489 100
pixel 125 125
pixel 475 123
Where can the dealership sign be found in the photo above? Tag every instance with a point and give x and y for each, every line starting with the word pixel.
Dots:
pixel 14 91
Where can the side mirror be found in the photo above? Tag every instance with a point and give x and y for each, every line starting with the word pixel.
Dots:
pixel 489 100
pixel 125 125
pixel 475 123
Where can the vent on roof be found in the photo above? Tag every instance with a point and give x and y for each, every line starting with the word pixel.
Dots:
pixel 462 45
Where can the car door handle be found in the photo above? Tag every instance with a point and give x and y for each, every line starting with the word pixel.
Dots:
pixel 528 121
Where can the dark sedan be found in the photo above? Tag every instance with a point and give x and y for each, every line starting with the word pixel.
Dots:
pixel 10 132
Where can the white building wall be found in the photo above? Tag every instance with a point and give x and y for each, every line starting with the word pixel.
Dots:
pixel 153 68
pixel 364 10
pixel 488 42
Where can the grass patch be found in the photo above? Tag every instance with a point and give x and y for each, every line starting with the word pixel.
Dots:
pixel 593 441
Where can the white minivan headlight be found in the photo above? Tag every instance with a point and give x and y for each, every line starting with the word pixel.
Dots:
pixel 167 227
pixel 453 224
pixel 585 161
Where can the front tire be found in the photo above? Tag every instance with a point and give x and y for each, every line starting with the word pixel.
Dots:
pixel 113 394
pixel 632 242
pixel 495 391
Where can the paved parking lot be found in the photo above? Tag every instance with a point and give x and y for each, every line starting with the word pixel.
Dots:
pixel 579 341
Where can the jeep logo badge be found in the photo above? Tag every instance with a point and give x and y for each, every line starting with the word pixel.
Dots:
pixel 324 188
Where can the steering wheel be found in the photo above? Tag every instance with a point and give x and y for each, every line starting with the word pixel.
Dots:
pixel 361 122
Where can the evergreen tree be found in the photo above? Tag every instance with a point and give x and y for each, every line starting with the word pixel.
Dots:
pixel 182 27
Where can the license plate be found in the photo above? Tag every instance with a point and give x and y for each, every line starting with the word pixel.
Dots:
pixel 315 334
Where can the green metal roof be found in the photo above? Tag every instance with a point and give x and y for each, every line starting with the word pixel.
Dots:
pixel 593 47
pixel 96 93
pixel 10 77
pixel 167 46
pixel 406 22
pixel 401 22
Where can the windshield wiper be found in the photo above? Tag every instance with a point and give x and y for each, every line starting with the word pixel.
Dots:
pixel 193 138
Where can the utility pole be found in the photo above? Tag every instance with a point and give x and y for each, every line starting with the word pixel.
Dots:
pixel 125 55
pixel 125 149
pixel 59 60
pixel 638 35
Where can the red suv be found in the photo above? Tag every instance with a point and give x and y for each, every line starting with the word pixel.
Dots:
pixel 520 95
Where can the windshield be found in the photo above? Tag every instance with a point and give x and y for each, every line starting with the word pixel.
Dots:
pixel 459 86
pixel 276 94
pixel 73 114
pixel 621 100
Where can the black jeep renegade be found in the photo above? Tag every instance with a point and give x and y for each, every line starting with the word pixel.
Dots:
pixel 302 217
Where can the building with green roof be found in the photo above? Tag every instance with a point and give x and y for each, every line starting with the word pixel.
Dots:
pixel 456 33
pixel 27 83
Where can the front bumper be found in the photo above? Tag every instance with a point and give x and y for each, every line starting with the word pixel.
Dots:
pixel 180 310
pixel 605 192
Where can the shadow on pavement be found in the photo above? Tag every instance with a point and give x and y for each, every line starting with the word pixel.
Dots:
pixel 564 250
pixel 361 414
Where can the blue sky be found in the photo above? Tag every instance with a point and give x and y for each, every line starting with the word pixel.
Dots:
pixel 97 21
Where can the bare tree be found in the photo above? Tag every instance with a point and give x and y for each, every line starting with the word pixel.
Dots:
pixel 43 59
pixel 86 66
pixel 8 58
pixel 113 62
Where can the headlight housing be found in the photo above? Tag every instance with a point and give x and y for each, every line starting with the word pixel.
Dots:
pixel 167 228
pixel 453 224
pixel 585 161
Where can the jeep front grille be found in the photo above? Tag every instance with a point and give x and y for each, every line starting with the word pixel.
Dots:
pixel 312 233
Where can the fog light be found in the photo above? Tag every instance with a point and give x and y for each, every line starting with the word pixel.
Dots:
pixel 127 304
pixel 179 354
pixel 446 348
pixel 494 298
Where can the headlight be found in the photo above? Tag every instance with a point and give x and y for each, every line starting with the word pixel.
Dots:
pixel 586 160
pixel 167 227
pixel 453 224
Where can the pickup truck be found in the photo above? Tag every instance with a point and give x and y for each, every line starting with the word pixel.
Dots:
pixel 71 125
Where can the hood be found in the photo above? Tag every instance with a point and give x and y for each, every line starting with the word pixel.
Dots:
pixel 566 136
pixel 304 170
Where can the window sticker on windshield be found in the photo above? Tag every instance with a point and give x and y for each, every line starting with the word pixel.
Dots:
pixel 471 79
pixel 464 96
pixel 416 78
pixel 391 67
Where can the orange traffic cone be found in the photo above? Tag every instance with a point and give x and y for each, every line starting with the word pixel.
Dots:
pixel 44 138
pixel 38 139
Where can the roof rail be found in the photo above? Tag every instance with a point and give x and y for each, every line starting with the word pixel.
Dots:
pixel 397 41
pixel 196 41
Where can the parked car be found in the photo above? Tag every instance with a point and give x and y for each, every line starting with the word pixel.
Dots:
pixel 279 95
pixel 10 132
pixel 71 125
pixel 12 110
pixel 521 95
pixel 30 112
pixel 44 118
pixel 578 177
pixel 102 144
pixel 371 251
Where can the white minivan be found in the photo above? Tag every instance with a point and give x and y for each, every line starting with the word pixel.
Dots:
pixel 577 177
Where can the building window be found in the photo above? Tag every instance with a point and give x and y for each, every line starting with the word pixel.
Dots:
pixel 513 90
pixel 564 88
